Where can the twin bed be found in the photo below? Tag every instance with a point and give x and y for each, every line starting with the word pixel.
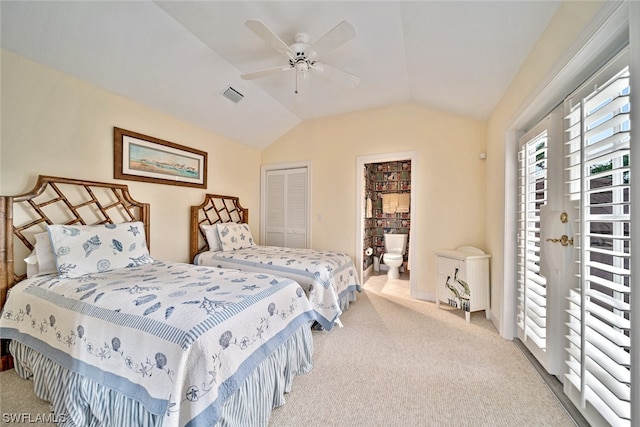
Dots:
pixel 113 337
pixel 220 238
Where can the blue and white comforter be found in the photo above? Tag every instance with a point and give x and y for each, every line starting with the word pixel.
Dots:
pixel 177 337
pixel 328 278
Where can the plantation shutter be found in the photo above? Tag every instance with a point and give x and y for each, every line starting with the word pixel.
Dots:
pixel 597 126
pixel 286 208
pixel 532 286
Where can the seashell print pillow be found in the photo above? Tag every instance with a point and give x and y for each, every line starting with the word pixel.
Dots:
pixel 234 236
pixel 85 249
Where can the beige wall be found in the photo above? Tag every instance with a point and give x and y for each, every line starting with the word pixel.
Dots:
pixel 53 124
pixel 449 176
pixel 563 31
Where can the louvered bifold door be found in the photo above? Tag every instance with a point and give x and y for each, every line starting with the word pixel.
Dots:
pixel 597 126
pixel 275 208
pixel 296 208
pixel 286 208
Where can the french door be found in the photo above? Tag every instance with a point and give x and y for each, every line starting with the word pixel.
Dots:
pixel 546 220
pixel 574 245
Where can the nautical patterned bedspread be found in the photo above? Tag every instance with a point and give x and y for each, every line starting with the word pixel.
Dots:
pixel 327 277
pixel 178 337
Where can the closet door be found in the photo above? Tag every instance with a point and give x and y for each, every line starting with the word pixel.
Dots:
pixel 286 211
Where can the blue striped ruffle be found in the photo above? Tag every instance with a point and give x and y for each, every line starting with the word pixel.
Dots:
pixel 80 401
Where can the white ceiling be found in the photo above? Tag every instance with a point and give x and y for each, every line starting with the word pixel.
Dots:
pixel 179 56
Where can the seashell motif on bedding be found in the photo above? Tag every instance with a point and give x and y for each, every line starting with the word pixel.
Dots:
pixel 91 245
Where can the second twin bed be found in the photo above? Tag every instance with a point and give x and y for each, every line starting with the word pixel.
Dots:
pixel 220 237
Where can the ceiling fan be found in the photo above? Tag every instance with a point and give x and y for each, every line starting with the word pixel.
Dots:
pixel 302 56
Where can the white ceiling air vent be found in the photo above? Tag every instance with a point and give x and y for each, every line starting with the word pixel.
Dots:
pixel 232 94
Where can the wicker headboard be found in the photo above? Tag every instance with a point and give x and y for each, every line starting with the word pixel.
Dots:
pixel 213 210
pixel 56 200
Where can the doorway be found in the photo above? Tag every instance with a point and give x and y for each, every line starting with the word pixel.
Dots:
pixel 391 174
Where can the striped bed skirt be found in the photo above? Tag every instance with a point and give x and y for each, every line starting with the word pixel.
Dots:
pixel 80 401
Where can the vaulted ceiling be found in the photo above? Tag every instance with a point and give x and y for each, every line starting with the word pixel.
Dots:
pixel 180 56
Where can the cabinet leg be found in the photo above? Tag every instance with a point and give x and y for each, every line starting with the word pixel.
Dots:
pixel 467 316
pixel 487 315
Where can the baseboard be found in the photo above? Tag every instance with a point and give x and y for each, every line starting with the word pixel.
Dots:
pixel 367 273
pixel 424 296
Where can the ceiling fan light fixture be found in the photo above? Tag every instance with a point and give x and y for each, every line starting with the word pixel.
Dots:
pixel 302 67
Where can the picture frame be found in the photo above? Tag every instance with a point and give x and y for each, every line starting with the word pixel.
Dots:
pixel 139 157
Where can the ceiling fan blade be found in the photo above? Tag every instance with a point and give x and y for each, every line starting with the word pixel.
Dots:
pixel 270 37
pixel 265 73
pixel 338 35
pixel 336 75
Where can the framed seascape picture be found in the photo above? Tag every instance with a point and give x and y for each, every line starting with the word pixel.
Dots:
pixel 140 157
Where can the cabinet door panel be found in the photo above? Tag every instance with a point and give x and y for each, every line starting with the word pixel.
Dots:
pixel 452 286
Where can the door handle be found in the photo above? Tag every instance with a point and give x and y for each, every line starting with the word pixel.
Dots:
pixel 563 240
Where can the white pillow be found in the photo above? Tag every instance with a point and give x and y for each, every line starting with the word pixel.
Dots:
pixel 211 234
pixel 234 236
pixel 41 261
pixel 44 252
pixel 85 249
pixel 32 264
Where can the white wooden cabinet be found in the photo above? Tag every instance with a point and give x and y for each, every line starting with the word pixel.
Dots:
pixel 462 279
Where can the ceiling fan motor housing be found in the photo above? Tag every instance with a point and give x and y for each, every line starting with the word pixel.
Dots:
pixel 302 62
pixel 301 43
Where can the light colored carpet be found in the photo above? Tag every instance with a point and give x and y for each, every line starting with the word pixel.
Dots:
pixel 396 362
pixel 403 362
pixel 19 405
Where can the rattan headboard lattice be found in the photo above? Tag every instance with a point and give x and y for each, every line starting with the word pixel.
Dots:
pixel 56 200
pixel 213 210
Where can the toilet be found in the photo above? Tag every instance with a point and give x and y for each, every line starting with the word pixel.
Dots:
pixel 394 246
